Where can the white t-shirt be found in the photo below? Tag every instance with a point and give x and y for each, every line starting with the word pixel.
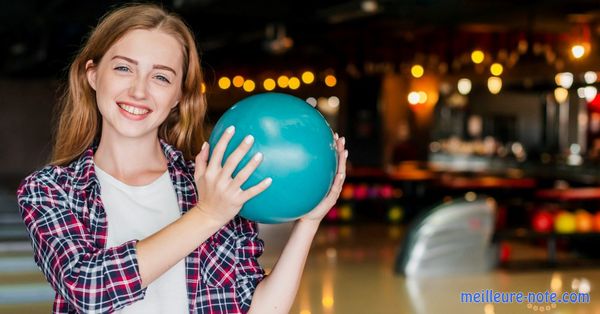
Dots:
pixel 136 212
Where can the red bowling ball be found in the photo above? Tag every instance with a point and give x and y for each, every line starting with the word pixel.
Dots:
pixel 543 221
pixel 596 221
pixel 584 221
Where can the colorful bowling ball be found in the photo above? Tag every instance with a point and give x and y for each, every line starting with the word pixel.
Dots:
pixel 565 222
pixel 596 221
pixel 373 191
pixel 542 221
pixel 361 192
pixel 386 191
pixel 333 214
pixel 395 213
pixel 347 191
pixel 298 154
pixel 346 212
pixel 584 221
pixel 505 252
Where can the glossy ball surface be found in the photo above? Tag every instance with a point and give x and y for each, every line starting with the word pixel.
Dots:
pixel 298 154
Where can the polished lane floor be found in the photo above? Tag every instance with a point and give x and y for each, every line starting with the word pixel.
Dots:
pixel 350 270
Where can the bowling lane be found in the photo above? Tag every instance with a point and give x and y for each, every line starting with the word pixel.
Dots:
pixel 350 270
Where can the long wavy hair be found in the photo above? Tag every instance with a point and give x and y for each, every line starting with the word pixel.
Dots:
pixel 79 121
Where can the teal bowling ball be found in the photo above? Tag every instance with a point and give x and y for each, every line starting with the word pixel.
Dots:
pixel 298 154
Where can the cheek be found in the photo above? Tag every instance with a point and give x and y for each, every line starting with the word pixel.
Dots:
pixel 110 86
pixel 166 98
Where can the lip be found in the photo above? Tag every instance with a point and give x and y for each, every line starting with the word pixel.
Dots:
pixel 134 105
pixel 132 116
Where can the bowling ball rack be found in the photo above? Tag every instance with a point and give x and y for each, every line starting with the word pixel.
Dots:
pixel 555 200
pixel 552 239
pixel 373 195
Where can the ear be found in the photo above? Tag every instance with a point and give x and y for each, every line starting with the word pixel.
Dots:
pixel 178 101
pixel 90 73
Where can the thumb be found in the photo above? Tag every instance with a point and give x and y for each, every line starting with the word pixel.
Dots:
pixel 201 162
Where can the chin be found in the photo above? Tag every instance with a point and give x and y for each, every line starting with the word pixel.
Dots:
pixel 135 132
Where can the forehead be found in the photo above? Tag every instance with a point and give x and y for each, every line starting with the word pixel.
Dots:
pixel 149 46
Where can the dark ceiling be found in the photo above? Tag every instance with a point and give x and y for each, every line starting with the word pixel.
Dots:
pixel 39 37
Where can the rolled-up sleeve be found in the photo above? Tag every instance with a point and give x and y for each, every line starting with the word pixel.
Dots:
pixel 90 279
pixel 249 272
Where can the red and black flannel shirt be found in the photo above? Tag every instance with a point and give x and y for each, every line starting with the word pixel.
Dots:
pixel 62 209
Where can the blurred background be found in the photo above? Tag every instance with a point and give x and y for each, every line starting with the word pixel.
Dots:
pixel 473 129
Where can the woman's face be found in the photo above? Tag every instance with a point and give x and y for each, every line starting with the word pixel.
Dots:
pixel 137 82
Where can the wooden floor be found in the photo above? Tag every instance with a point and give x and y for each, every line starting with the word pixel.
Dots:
pixel 350 270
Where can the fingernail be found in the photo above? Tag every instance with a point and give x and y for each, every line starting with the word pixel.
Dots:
pixel 258 156
pixel 336 136
pixel 203 146
pixel 230 129
pixel 268 181
pixel 343 141
pixel 345 153
pixel 249 139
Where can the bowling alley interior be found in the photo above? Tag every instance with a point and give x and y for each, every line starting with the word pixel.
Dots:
pixel 472 130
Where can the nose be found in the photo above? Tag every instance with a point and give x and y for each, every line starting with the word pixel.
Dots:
pixel 138 87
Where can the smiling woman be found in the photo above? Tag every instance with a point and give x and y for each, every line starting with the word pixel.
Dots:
pixel 78 123
pixel 132 216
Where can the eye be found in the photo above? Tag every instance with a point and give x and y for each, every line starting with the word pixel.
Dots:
pixel 162 78
pixel 122 68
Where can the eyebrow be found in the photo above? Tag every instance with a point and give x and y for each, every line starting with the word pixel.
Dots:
pixel 154 66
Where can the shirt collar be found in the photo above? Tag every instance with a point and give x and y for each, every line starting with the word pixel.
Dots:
pixel 85 173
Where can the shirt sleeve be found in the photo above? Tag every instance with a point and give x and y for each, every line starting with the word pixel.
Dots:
pixel 249 273
pixel 91 279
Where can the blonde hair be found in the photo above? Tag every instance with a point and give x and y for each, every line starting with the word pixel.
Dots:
pixel 79 121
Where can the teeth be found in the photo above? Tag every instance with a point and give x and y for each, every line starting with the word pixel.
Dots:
pixel 133 110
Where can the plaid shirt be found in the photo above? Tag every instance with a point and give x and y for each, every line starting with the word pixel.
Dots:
pixel 63 212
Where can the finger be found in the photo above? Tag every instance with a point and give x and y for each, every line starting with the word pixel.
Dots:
pixel 338 182
pixel 234 159
pixel 342 154
pixel 256 189
pixel 340 144
pixel 343 157
pixel 334 192
pixel 245 173
pixel 201 162
pixel 219 149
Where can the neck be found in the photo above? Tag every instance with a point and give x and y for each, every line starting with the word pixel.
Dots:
pixel 125 157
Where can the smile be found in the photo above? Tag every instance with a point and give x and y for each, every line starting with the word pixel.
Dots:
pixel 133 110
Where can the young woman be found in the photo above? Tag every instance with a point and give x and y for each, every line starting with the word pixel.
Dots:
pixel 122 219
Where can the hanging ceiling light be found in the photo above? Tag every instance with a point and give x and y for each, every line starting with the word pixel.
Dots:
pixel 564 79
pixel 561 94
pixel 464 86
pixel 494 84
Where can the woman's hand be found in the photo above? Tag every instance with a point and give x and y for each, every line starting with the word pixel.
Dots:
pixel 317 213
pixel 220 197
